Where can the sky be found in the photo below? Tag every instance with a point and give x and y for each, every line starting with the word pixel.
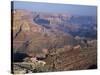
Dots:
pixel 56 8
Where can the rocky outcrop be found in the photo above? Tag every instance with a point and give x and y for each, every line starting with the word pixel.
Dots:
pixel 59 43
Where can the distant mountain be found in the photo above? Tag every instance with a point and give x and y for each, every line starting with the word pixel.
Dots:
pixel 72 24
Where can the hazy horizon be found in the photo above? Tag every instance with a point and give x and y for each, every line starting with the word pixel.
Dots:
pixel 83 10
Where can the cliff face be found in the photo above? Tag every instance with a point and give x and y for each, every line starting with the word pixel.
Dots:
pixel 63 41
pixel 35 29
